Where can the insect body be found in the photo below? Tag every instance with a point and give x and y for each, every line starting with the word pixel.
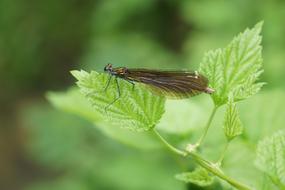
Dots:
pixel 172 84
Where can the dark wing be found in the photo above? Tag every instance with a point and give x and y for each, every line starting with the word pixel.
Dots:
pixel 171 84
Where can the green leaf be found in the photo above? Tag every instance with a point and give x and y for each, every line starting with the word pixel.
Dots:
pixel 136 108
pixel 199 176
pixel 232 123
pixel 263 123
pixel 212 66
pixel 236 68
pixel 184 117
pixel 271 158
pixel 74 102
pixel 258 124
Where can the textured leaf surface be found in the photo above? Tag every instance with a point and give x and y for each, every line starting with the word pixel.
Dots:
pixel 232 123
pixel 199 176
pixel 236 68
pixel 136 109
pixel 271 158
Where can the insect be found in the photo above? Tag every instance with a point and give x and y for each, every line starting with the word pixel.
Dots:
pixel 171 84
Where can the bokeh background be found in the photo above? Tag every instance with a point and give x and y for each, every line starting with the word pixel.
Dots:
pixel 41 41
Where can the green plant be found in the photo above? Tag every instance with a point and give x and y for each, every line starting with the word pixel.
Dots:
pixel 233 73
pixel 271 158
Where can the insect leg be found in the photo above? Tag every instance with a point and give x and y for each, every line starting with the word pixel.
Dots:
pixel 133 84
pixel 105 88
pixel 108 83
pixel 119 95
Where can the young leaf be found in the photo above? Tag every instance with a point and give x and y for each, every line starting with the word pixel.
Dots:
pixel 271 158
pixel 199 176
pixel 136 108
pixel 232 124
pixel 212 67
pixel 236 68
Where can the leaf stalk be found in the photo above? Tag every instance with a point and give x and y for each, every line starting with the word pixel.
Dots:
pixel 209 166
pixel 202 138
pixel 168 145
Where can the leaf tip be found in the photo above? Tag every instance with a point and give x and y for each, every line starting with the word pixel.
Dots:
pixel 78 74
pixel 258 26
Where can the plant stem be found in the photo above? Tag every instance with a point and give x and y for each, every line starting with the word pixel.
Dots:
pixel 220 160
pixel 216 171
pixel 169 146
pixel 211 167
pixel 202 138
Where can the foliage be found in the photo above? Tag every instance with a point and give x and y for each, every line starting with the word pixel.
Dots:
pixel 74 102
pixel 236 68
pixel 139 111
pixel 199 176
pixel 39 45
pixel 232 124
pixel 232 72
pixel 271 158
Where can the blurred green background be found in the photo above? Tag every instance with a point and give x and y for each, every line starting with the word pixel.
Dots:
pixel 41 41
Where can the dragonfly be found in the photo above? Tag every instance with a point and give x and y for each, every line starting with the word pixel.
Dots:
pixel 170 84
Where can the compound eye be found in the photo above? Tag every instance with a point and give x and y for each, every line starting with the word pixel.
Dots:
pixel 108 67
